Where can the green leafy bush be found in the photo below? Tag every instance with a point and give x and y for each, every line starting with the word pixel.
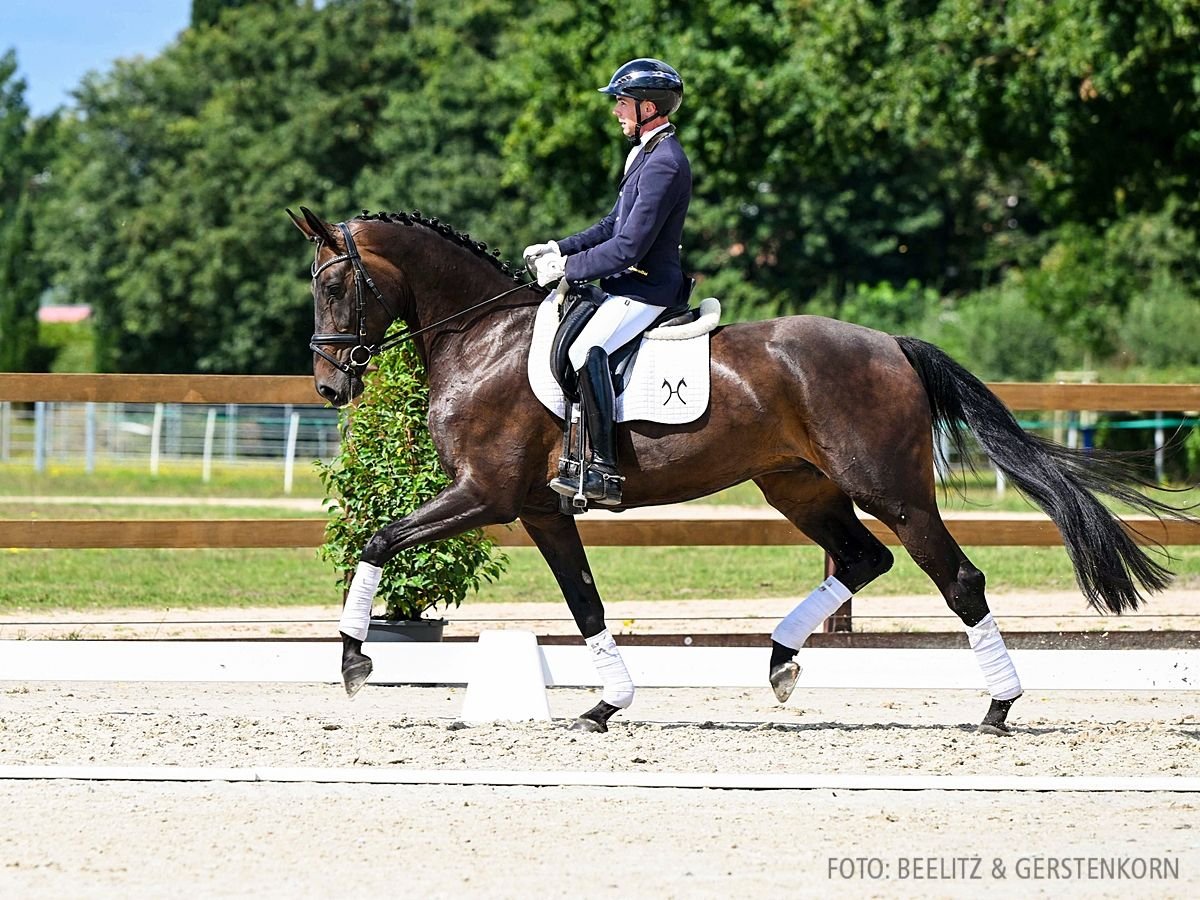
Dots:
pixel 886 307
pixel 1162 326
pixel 386 468
pixel 73 345
pixel 998 335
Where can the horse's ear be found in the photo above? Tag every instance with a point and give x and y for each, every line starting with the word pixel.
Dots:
pixel 313 228
pixel 301 224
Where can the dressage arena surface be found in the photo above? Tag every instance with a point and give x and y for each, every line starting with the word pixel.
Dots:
pixel 94 837
pixel 107 838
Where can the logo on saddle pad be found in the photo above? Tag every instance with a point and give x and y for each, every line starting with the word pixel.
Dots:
pixel 674 391
pixel 671 360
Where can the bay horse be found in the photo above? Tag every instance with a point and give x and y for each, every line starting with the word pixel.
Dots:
pixel 823 415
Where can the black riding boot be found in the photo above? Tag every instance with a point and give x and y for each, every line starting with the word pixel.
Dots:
pixel 602 484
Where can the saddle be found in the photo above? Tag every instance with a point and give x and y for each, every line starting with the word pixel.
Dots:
pixel 578 307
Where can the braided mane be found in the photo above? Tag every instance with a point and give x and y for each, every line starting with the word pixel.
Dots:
pixel 461 238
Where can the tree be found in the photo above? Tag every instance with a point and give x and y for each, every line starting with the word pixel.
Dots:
pixel 208 12
pixel 21 279
pixel 839 148
pixel 170 200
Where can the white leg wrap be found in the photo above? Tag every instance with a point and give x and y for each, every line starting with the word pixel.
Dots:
pixel 618 686
pixel 356 614
pixel 994 661
pixel 814 609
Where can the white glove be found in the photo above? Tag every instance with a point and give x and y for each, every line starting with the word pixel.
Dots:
pixel 549 268
pixel 533 251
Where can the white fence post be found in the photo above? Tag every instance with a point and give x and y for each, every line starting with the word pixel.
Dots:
pixel 155 437
pixel 39 436
pixel 230 432
pixel 210 429
pixel 5 430
pixel 1159 438
pixel 289 458
pixel 89 437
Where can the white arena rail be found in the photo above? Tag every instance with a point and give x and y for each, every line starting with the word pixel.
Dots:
pixel 507 672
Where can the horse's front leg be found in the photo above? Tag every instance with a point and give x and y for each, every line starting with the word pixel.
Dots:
pixel 558 539
pixel 456 509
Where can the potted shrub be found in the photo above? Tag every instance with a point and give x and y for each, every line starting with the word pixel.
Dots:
pixel 387 466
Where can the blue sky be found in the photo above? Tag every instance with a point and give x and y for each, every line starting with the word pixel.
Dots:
pixel 58 41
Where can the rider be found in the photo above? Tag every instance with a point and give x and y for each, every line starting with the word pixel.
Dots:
pixel 634 251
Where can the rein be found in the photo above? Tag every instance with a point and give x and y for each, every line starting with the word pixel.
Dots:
pixel 362 351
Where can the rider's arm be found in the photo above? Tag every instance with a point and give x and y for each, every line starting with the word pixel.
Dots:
pixel 661 186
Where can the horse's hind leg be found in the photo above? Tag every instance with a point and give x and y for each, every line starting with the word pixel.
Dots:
pixel 924 535
pixel 818 507
pixel 558 539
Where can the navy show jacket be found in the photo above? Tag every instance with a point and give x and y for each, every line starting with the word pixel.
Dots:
pixel 634 250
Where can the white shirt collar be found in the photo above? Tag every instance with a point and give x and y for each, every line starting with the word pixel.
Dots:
pixel 646 135
pixel 637 148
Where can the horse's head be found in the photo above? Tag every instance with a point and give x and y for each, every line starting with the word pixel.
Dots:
pixel 351 313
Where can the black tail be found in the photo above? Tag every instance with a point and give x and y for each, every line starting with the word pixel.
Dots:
pixel 1109 565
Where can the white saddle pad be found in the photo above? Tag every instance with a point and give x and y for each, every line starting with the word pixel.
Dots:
pixel 669 380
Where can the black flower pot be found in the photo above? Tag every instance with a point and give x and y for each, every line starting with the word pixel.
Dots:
pixel 423 630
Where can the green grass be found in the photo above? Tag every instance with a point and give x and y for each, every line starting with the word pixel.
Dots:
pixel 636 573
pixel 175 479
pixel 161 579
pixel 265 480
pixel 87 579
pixel 247 509
pixel 98 579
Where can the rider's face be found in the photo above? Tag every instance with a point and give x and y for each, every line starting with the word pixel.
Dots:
pixel 626 112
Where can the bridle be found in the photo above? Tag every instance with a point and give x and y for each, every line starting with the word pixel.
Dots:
pixel 362 350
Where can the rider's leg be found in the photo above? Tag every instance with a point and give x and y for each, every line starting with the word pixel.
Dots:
pixel 617 321
pixel 603 482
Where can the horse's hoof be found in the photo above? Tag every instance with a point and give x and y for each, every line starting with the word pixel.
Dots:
pixel 994 722
pixel 783 679
pixel 588 725
pixel 355 674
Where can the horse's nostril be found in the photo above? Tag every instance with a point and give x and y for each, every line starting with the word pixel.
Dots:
pixel 328 393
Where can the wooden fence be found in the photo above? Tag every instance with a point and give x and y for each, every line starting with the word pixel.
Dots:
pixel 597 529
pixel 298 390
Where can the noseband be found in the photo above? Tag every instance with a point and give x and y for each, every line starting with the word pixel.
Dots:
pixel 362 350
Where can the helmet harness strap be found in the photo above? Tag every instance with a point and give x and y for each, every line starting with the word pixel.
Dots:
pixel 636 137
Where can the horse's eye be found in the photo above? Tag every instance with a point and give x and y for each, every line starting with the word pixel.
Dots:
pixel 333 291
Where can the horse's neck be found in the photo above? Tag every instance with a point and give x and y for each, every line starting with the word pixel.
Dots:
pixel 478 336
pixel 445 279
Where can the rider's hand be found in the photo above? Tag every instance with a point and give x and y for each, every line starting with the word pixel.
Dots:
pixel 533 251
pixel 549 268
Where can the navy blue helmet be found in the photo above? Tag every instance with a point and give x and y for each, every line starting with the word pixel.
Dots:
pixel 647 79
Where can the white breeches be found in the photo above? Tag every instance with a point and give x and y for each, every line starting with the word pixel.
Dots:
pixel 617 321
